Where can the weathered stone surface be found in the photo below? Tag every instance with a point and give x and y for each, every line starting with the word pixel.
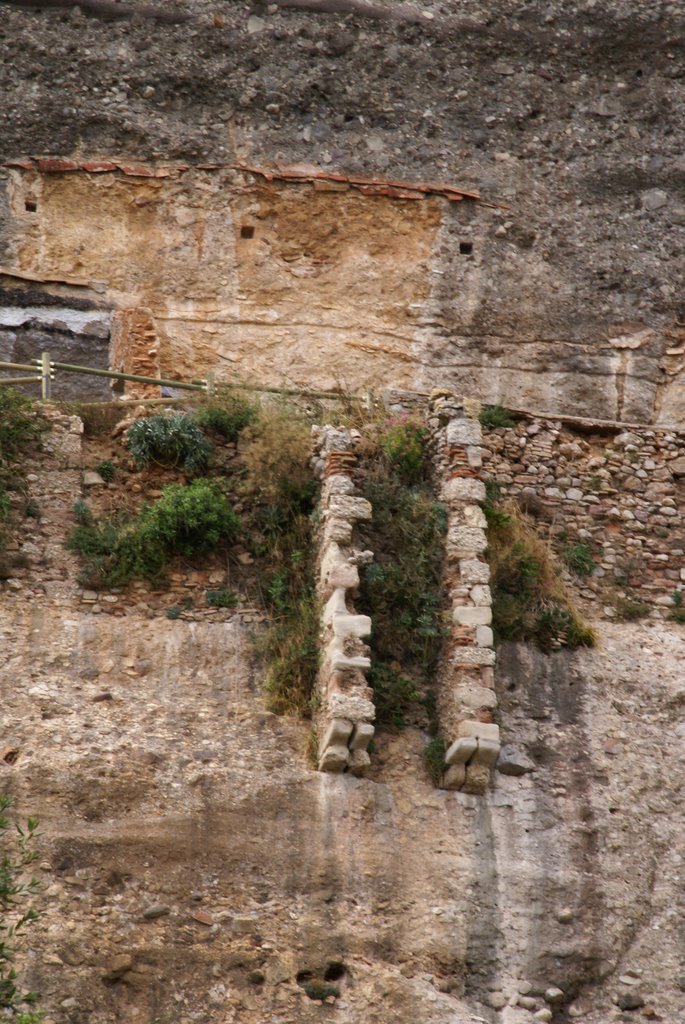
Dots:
pixel 472 571
pixel 337 733
pixel 454 777
pixel 334 758
pixel 463 489
pixel 461 750
pixel 362 736
pixel 470 615
pixel 514 761
pixel 462 431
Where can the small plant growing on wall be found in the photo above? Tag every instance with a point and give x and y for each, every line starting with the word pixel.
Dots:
pixel 578 558
pixel 169 441
pixel 16 893
pixel 493 416
pixel 226 415
pixel 403 439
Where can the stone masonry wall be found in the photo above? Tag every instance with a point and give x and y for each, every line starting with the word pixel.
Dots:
pixel 346 707
pixel 465 684
pixel 622 494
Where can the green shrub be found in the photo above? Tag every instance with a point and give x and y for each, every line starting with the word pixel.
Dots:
pixel 173 613
pixel 493 416
pixel 226 415
pixel 434 758
pixel 20 428
pixel 107 470
pixel 401 590
pixel 82 513
pixel 222 598
pixel 679 615
pixel 403 439
pixel 174 440
pixel 578 557
pixel 16 894
pixel 187 520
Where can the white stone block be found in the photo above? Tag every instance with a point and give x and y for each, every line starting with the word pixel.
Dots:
pixel 473 515
pixel 475 697
pixel 485 636
pixel 463 489
pixel 337 530
pixel 345 625
pixel 337 483
pixel 454 777
pixel 487 753
pixel 336 605
pixel 362 736
pixel 471 570
pixel 334 759
pixel 467 538
pixel 337 733
pixel 461 750
pixel 481 595
pixel 468 656
pixel 341 662
pixel 349 507
pixel 464 432
pixel 469 615
pixel 352 706
pixel 359 761
pixel 479 730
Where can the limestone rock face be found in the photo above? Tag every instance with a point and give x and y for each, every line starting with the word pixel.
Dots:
pixel 419 905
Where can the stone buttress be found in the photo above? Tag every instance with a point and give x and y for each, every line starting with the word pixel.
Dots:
pixel 346 710
pixel 465 686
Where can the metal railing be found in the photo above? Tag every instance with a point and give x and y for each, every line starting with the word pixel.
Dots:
pixel 43 372
pixel 45 369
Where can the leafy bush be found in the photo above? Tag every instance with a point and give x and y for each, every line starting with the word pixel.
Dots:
pixel 403 439
pixel 529 599
pixel 107 470
pixel 493 416
pixel 222 598
pixel 20 428
pixel 578 557
pixel 227 415
pixel 15 897
pixel 187 520
pixel 174 440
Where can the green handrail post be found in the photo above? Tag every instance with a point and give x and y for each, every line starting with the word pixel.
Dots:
pixel 211 385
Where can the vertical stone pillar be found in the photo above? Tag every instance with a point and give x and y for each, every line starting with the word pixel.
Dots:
pixel 134 348
pixel 466 695
pixel 346 709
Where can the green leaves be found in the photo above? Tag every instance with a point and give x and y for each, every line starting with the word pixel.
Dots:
pixel 15 893
pixel 174 440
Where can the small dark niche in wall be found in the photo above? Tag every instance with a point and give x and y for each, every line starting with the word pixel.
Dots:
pixel 30 205
pixel 335 971
pixel 247 231
pixel 466 248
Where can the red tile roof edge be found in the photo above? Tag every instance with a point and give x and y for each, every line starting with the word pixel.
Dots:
pixel 295 174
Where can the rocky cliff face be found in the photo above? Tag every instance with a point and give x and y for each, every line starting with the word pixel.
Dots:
pixel 197 868
pixel 568 114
